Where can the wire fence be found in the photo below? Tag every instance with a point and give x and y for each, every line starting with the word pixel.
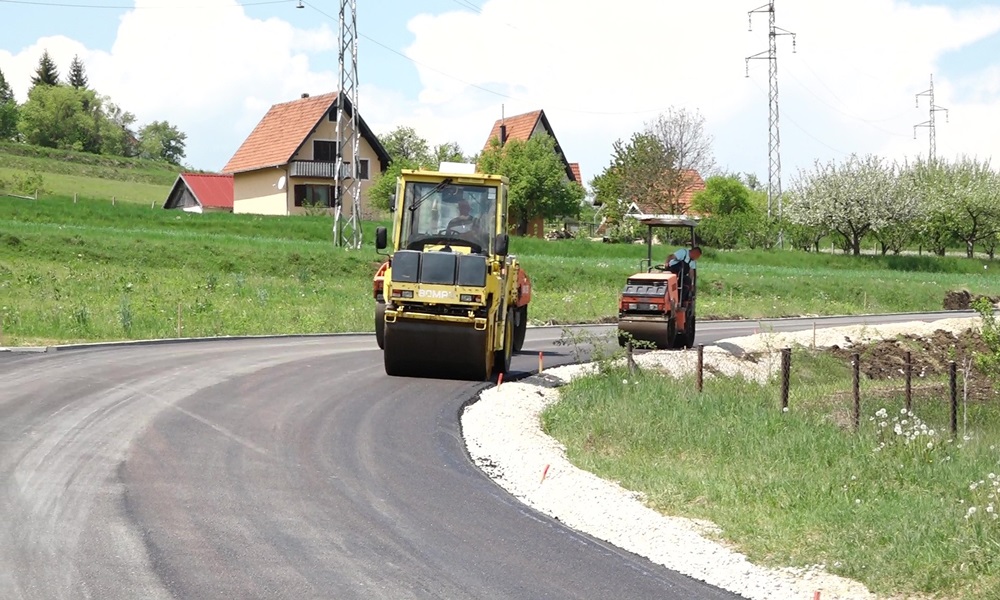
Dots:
pixel 865 387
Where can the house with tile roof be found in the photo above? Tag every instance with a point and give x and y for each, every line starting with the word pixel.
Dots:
pixel 288 162
pixel 201 192
pixel 524 127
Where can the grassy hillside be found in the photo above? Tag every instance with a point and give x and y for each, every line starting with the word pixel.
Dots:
pixel 63 173
pixel 93 271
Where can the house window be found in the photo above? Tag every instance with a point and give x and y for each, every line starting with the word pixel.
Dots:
pixel 314 195
pixel 324 151
pixel 333 115
pixel 363 169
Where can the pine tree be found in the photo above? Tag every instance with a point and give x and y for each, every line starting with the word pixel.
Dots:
pixel 8 111
pixel 6 94
pixel 77 74
pixel 46 73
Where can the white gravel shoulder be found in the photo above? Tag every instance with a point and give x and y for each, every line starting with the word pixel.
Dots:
pixel 503 435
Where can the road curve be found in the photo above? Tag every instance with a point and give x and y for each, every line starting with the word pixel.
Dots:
pixel 278 468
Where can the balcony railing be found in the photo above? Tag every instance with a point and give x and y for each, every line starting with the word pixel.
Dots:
pixel 314 168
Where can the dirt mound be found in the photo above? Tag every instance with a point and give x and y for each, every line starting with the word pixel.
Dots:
pixel 964 299
pixel 929 355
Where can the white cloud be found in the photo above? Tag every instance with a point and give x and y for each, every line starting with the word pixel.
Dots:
pixel 850 87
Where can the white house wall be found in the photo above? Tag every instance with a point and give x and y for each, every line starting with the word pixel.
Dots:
pixel 256 192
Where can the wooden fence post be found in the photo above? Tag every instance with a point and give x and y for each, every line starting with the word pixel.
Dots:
pixel 701 368
pixel 909 381
pixel 856 387
pixel 953 388
pixel 786 374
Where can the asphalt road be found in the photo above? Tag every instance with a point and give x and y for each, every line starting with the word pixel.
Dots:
pixel 279 468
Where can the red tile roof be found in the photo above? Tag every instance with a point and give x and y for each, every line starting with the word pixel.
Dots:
pixel 519 127
pixel 575 167
pixel 210 189
pixel 280 133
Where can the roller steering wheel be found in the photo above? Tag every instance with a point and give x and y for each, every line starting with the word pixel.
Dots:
pixel 660 267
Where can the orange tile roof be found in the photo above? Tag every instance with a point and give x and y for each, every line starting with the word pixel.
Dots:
pixel 575 167
pixel 212 190
pixel 519 127
pixel 280 133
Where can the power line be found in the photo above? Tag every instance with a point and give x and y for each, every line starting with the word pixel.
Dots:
pixel 845 113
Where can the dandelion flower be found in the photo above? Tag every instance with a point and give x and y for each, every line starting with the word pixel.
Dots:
pixel 785 409
pixel 930 445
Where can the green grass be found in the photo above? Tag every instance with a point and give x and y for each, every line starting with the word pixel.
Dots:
pixel 65 173
pixel 63 266
pixel 799 488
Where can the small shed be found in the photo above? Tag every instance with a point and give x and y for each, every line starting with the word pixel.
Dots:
pixel 200 192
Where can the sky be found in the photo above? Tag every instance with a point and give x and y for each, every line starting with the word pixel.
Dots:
pixel 857 80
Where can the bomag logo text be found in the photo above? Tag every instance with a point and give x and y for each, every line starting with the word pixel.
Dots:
pixel 434 293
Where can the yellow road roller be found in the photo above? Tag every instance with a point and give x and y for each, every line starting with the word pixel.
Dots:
pixel 450 301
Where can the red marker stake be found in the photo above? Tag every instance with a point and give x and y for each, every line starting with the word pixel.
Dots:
pixel 545 471
pixel 539 362
pixel 500 380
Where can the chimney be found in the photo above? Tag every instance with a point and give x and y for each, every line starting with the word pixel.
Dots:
pixel 503 126
pixel 305 95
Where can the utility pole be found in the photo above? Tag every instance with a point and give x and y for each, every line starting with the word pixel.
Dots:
pixel 346 185
pixel 930 122
pixel 774 136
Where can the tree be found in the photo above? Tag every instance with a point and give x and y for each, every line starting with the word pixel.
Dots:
pixel 723 195
pixel 961 197
pixel 54 116
pixel 8 111
pixel 46 72
pixel 403 144
pixel 539 185
pixel 160 140
pixel 689 147
pixel 449 152
pixel 406 150
pixel 77 74
pixel 635 174
pixel 115 131
pixel 852 198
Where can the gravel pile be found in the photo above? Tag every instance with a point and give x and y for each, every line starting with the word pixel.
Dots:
pixel 504 438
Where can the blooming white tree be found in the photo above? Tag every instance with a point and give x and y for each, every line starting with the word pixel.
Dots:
pixel 853 198
pixel 962 200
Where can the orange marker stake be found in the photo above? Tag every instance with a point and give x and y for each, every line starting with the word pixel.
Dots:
pixel 500 380
pixel 539 362
pixel 816 596
pixel 545 471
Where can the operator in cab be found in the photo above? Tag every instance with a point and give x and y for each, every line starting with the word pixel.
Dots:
pixel 682 263
pixel 464 221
